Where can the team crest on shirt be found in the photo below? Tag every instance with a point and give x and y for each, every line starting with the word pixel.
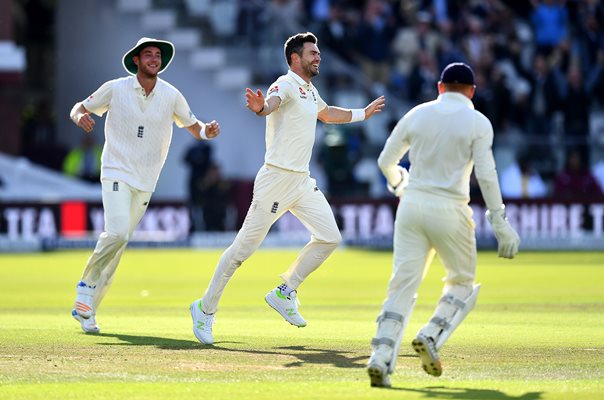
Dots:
pixel 274 89
pixel 302 93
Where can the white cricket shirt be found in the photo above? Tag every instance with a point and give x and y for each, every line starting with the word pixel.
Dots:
pixel 290 130
pixel 138 129
pixel 445 139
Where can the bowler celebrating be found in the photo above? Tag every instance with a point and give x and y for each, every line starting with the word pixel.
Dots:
pixel 283 183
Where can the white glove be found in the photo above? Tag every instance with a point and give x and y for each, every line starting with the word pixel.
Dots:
pixel 507 238
pixel 399 189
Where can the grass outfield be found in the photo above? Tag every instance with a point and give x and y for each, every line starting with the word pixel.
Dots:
pixel 536 333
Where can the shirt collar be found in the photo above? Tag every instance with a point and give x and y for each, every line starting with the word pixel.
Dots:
pixel 137 85
pixel 456 97
pixel 298 79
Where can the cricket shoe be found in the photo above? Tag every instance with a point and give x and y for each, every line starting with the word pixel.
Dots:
pixel 88 324
pixel 425 347
pixel 202 323
pixel 287 306
pixel 377 369
pixel 83 302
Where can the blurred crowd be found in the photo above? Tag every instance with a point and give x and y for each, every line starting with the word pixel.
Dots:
pixel 539 68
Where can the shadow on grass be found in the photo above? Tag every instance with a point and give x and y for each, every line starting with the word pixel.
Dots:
pixel 337 358
pixel 305 355
pixel 159 342
pixel 442 392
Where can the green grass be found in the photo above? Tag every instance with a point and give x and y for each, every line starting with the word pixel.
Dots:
pixel 536 333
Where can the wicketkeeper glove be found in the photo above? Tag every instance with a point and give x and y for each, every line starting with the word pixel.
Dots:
pixel 507 238
pixel 399 189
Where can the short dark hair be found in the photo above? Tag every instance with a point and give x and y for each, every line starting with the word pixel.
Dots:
pixel 295 44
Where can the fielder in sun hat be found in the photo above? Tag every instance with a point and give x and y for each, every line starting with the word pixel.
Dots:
pixel 459 73
pixel 166 48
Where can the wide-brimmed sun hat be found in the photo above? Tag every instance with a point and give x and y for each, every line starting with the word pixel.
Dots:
pixel 166 48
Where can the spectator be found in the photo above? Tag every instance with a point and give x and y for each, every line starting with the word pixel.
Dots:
pixel 498 98
pixel 373 39
pixel 338 162
pixel 575 181
pixel 214 197
pixel 411 41
pixel 423 78
pixel 335 32
pixel 576 106
pixel 199 159
pixel 476 42
pixel 543 99
pixel 521 181
pixel 84 161
pixel 550 19
pixel 39 143
pixel 589 39
pixel 595 78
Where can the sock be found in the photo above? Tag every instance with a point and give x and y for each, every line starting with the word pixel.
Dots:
pixel 285 290
pixel 83 284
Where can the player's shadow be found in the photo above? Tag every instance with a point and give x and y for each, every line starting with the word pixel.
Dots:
pixel 305 355
pixel 442 392
pixel 159 342
pixel 336 358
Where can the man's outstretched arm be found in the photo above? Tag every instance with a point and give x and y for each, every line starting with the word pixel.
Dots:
pixel 339 115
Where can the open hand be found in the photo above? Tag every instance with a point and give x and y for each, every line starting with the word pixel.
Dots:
pixel 375 107
pixel 254 101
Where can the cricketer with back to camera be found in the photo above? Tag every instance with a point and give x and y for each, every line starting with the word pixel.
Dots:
pixel 140 111
pixel 446 138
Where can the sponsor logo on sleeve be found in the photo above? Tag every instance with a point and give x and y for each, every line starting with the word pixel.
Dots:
pixel 274 89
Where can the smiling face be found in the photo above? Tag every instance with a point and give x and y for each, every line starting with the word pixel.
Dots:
pixel 148 61
pixel 310 60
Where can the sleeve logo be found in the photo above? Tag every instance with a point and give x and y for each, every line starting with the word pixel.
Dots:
pixel 274 89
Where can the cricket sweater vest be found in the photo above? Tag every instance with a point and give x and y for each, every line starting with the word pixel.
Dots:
pixel 137 141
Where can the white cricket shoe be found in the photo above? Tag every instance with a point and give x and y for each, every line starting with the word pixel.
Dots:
pixel 88 325
pixel 202 323
pixel 83 303
pixel 425 347
pixel 287 306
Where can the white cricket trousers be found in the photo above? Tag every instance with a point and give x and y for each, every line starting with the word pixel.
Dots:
pixel 426 224
pixel 124 207
pixel 277 191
